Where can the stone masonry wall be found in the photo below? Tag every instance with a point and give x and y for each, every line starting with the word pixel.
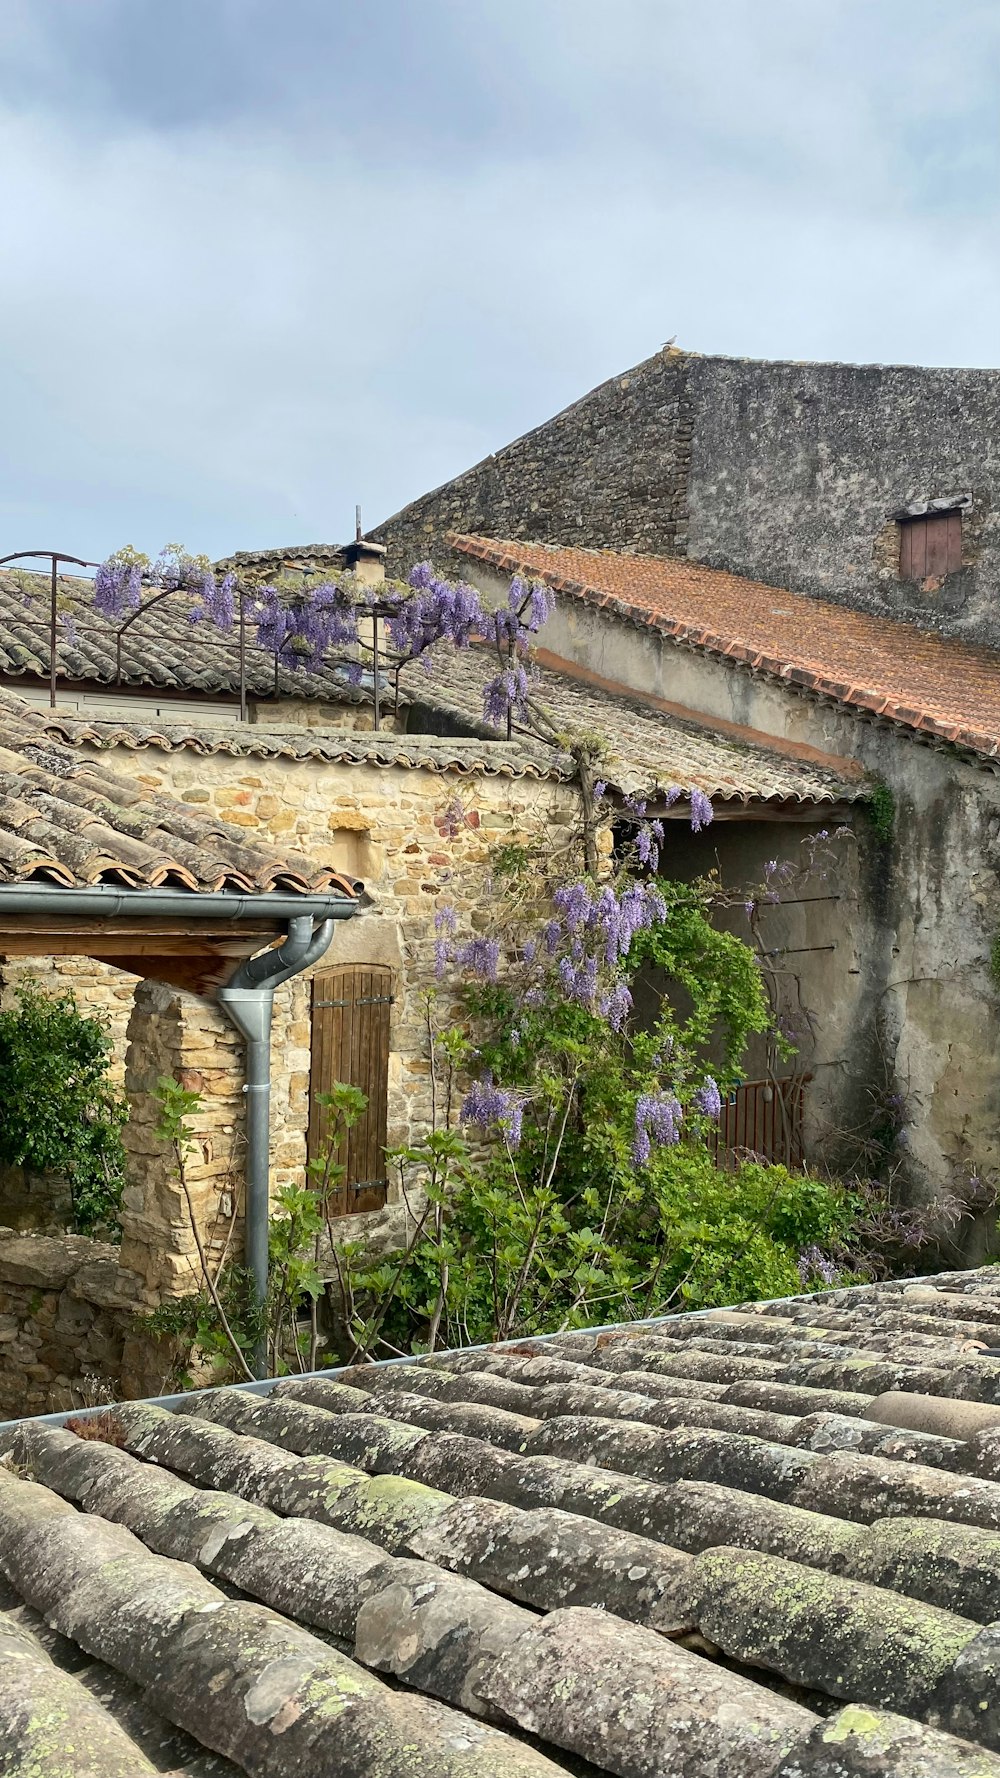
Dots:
pixel 610 471
pixel 178 1036
pixel 787 473
pixel 68 1336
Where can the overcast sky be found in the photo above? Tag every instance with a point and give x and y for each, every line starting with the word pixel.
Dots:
pixel 263 259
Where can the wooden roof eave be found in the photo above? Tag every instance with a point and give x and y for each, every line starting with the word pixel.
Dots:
pixel 168 950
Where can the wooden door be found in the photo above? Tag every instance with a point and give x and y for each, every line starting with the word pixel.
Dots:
pixel 350 1042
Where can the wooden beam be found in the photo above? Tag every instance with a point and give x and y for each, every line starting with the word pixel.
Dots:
pixel 57 936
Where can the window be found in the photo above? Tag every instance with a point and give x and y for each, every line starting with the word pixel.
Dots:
pixel 350 1042
pixel 930 546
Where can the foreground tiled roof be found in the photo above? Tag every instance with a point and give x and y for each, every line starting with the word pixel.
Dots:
pixel 67 820
pixel 434 753
pixel 646 745
pixel 162 649
pixel 943 690
pixel 761 1543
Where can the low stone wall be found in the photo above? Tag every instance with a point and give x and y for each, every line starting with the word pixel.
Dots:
pixel 34 1203
pixel 68 1331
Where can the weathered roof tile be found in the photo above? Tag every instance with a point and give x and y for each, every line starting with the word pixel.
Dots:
pixel 922 681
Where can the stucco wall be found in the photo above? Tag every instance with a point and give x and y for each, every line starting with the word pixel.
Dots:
pixel 797 470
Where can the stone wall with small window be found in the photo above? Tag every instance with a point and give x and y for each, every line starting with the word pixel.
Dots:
pixel 793 474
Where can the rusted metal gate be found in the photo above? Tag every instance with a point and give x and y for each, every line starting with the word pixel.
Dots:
pixel 763 1117
pixel 350 1042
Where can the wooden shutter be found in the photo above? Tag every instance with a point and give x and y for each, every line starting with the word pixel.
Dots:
pixel 930 547
pixel 350 1042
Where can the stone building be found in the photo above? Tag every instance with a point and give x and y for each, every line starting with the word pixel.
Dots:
pixel 883 950
pixel 874 486
pixel 412 810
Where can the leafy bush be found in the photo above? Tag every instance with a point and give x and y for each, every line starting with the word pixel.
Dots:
pixel 568 1215
pixel 575 1253
pixel 60 1112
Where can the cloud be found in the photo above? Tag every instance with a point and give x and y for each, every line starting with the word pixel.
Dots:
pixel 264 262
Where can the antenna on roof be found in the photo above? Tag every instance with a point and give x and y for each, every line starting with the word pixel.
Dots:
pixel 357 524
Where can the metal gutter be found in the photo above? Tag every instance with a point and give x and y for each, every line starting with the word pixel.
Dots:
pixel 104 902
pixel 247 998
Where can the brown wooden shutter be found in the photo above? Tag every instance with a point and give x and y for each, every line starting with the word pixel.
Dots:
pixel 350 1042
pixel 930 547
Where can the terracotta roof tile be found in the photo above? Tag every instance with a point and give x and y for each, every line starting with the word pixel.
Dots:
pixel 68 820
pixel 918 679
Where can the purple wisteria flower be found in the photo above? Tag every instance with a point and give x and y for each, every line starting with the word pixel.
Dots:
pixel 506 695
pixel 813 1264
pixel 438 611
pixel 493 1107
pixel 708 1099
pixel 481 957
pixel 600 789
pixel 701 810
pixel 118 583
pixel 657 1123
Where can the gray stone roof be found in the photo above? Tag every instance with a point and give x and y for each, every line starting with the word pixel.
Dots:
pixel 333 746
pixel 68 820
pixel 162 649
pixel 647 744
pixel 756 1543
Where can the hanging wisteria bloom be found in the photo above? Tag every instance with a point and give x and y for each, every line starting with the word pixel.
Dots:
pixel 118 582
pixel 303 628
pixel 657 1124
pixel 438 611
pixel 708 1099
pixel 493 1107
pixel 506 695
pixel 814 1266
pixel 701 811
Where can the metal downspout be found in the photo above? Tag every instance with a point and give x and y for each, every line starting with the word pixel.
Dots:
pixel 248 1000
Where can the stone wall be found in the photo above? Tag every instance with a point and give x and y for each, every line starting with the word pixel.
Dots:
pixel 609 471
pixel 418 838
pixel 788 473
pixel 68 1334
pixel 177 1036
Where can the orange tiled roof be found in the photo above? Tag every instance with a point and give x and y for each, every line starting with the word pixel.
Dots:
pixel 945 690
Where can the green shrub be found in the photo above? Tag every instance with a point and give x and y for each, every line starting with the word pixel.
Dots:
pixel 60 1113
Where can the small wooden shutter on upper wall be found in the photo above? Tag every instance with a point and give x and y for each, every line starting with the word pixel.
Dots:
pixel 931 546
pixel 350 1042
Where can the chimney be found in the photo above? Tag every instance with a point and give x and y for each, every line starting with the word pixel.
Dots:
pixel 365 560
